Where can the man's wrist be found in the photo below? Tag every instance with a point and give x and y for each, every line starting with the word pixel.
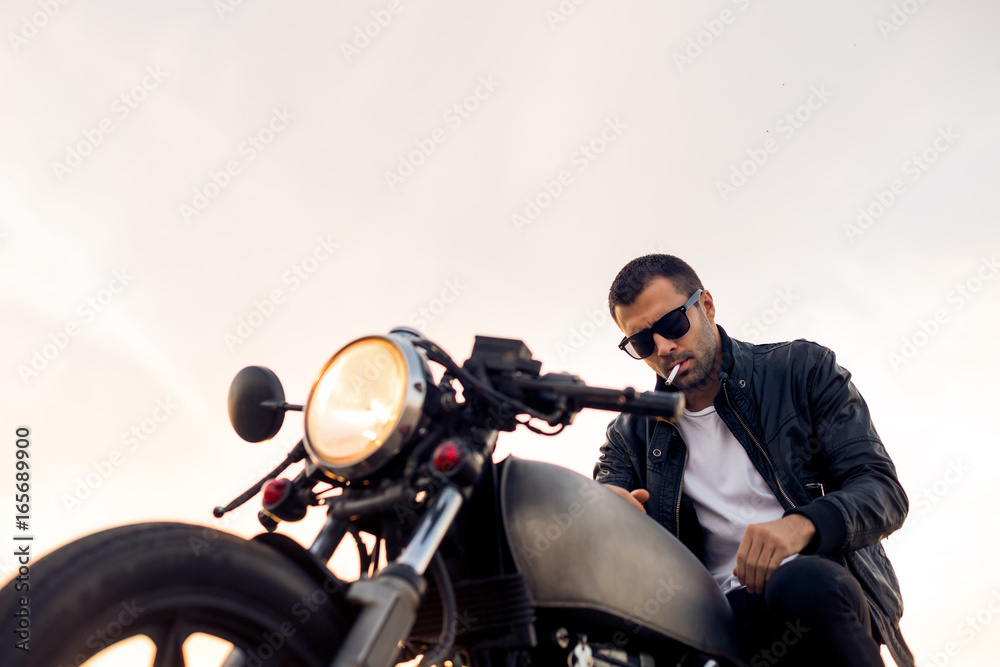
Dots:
pixel 804 530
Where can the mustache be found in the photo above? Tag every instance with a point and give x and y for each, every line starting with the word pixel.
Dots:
pixel 670 362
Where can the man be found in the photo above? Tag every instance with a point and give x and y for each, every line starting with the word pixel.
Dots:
pixel 774 463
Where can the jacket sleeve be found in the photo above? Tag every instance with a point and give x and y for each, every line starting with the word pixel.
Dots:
pixel 617 463
pixel 866 502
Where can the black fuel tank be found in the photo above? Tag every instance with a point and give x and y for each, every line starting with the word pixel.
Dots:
pixel 579 546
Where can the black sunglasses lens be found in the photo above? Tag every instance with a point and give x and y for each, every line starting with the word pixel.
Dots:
pixel 641 345
pixel 673 325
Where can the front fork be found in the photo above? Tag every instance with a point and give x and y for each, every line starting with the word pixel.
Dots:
pixel 389 601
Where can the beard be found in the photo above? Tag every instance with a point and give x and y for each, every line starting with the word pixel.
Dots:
pixel 702 359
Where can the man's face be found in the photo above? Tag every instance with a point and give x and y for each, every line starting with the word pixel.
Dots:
pixel 694 351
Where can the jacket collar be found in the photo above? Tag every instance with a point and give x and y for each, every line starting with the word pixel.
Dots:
pixel 737 357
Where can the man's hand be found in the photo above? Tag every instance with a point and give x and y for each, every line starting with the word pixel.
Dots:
pixel 765 545
pixel 637 497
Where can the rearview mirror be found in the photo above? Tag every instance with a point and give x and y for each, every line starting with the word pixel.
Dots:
pixel 255 404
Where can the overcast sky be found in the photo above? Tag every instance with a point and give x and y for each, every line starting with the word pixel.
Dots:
pixel 192 187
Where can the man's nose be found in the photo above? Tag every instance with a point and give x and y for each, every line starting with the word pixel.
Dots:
pixel 664 346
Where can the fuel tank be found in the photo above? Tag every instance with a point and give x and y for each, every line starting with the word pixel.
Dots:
pixel 580 546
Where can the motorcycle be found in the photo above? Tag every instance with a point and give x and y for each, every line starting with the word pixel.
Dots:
pixel 464 561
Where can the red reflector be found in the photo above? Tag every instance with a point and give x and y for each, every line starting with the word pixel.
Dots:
pixel 448 455
pixel 274 491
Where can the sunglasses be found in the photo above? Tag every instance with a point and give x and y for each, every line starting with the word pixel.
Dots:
pixel 673 325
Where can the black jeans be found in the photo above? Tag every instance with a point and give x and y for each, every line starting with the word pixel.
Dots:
pixel 812 612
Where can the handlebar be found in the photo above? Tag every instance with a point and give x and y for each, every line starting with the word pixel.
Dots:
pixel 665 404
pixel 509 365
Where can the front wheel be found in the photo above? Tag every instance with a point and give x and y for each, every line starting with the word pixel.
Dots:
pixel 170 581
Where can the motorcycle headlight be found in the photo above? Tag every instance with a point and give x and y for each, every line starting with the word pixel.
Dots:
pixel 364 405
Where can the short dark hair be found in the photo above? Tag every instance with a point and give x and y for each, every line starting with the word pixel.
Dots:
pixel 637 274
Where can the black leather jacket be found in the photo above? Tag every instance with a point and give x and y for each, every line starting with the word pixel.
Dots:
pixel 808 432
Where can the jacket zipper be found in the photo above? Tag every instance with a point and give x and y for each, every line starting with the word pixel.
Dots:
pixel 767 458
pixel 680 491
pixel 882 629
pixel 878 614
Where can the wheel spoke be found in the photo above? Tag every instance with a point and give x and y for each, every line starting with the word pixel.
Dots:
pixel 169 641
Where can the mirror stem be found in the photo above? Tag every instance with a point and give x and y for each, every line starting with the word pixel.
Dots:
pixel 276 406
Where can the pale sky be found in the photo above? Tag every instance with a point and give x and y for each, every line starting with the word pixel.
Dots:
pixel 189 188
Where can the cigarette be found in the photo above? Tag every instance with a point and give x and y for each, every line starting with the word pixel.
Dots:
pixel 673 374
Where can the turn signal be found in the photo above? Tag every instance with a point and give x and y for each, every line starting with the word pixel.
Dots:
pixel 448 456
pixel 275 491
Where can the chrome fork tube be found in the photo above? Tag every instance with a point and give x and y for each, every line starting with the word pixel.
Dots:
pixel 431 529
pixel 389 602
pixel 329 538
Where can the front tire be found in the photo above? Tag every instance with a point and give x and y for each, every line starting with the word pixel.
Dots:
pixel 168 581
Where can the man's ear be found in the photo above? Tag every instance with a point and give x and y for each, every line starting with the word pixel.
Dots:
pixel 708 305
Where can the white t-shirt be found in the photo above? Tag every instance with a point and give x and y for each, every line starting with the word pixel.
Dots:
pixel 728 492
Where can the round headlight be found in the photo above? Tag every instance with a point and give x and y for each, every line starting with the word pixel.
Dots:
pixel 364 405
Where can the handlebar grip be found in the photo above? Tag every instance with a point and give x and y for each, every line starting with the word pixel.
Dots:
pixel 541 391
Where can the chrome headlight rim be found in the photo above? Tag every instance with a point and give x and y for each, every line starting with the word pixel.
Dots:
pixel 406 425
